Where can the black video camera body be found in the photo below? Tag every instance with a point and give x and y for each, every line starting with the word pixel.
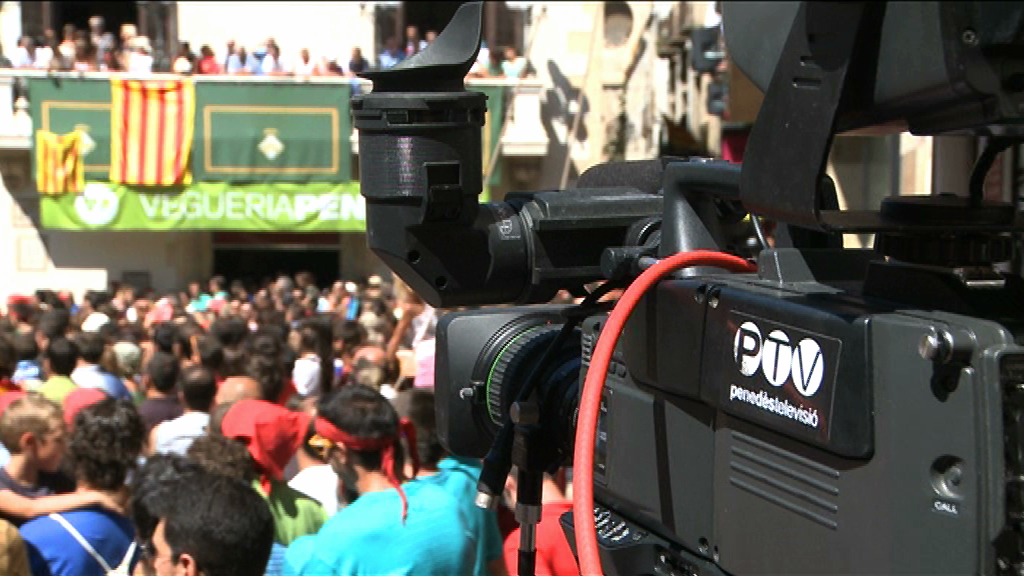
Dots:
pixel 839 411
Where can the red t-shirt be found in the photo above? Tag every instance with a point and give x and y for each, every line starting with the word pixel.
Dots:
pixel 209 66
pixel 554 556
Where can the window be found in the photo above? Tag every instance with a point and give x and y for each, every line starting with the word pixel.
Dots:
pixel 618 24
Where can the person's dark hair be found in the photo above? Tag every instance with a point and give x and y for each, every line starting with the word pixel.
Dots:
pixel 97 298
pixel 198 388
pixel 165 335
pixel 219 282
pixel 222 523
pixel 183 337
pixel 106 443
pixel 90 346
pixel 417 405
pixel 163 370
pixel 265 363
pixel 63 356
pixel 223 456
pixel 234 362
pixel 24 311
pixel 8 359
pixel 211 354
pixel 230 331
pixel 362 412
pixel 351 334
pixel 54 323
pixel 25 347
pixel 154 488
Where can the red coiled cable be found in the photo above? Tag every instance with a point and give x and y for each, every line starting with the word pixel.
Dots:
pixel 593 386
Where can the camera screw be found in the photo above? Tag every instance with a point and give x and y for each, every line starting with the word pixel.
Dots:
pixel 466 393
pixel 969 37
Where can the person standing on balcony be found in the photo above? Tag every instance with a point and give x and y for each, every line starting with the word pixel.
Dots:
pixel 67 47
pixel 413 44
pixel 357 64
pixel 271 64
pixel 391 54
pixel 46 49
pixel 514 65
pixel 104 43
pixel 25 53
pixel 208 61
pixel 240 63
pixel 229 51
pixel 184 63
pixel 305 65
pixel 85 54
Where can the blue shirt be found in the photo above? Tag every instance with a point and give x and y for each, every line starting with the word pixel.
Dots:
pixel 367 538
pixel 53 551
pixel 275 566
pixel 458 477
pixel 92 376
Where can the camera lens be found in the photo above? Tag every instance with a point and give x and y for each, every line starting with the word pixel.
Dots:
pixel 506 362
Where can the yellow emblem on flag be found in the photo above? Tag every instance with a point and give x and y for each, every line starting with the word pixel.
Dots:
pixel 151 124
pixel 59 165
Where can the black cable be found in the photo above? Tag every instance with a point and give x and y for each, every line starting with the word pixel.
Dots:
pixel 988 157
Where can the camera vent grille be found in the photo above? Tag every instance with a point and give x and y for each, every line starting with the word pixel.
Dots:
pixel 799 485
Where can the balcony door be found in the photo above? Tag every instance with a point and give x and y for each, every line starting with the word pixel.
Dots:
pixel 156 20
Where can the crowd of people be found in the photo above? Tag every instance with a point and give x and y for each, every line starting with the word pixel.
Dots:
pixel 228 432
pixel 97 49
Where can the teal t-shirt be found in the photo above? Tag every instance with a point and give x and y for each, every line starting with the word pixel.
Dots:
pixel 368 538
pixel 458 477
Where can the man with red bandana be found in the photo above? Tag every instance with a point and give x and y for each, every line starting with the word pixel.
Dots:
pixel 392 527
pixel 272 435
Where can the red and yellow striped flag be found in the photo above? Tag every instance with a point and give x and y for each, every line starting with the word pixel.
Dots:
pixel 59 165
pixel 151 123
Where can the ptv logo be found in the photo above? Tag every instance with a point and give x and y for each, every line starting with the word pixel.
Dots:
pixel 776 356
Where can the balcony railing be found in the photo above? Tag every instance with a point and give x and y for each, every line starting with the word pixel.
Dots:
pixel 518 122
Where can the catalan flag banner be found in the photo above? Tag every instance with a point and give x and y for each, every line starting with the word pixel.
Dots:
pixel 151 125
pixel 59 165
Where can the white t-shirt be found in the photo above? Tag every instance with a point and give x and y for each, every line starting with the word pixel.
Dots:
pixel 306 375
pixel 319 483
pixel 304 68
pixel 44 55
pixel 140 63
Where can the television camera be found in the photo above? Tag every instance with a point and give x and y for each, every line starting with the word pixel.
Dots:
pixel 835 411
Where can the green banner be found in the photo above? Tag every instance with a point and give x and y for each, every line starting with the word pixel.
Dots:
pixel 61 105
pixel 279 132
pixel 245 132
pixel 276 207
pixel 492 128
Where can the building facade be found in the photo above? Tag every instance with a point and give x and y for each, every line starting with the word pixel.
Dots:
pixel 569 113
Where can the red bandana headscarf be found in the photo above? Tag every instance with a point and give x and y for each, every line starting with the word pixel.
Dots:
pixel 384 444
pixel 272 433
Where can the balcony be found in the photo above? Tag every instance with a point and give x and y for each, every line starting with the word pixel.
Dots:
pixel 517 102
